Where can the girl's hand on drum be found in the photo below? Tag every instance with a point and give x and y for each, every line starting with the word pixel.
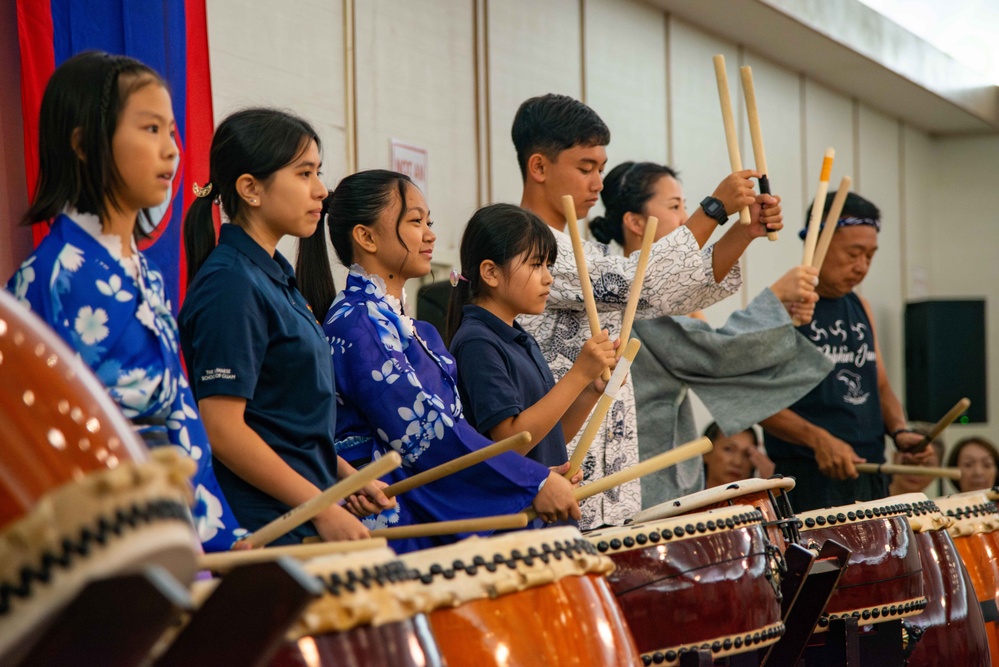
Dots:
pixel 555 501
pixel 836 458
pixel 336 524
pixel 369 500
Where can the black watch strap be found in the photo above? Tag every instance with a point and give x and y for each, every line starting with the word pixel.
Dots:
pixel 714 209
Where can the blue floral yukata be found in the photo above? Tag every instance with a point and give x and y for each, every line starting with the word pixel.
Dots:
pixel 114 312
pixel 396 390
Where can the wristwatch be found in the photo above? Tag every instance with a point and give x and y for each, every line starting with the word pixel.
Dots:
pixel 715 209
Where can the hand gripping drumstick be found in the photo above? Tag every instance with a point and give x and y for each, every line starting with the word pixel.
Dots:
pixel 756 134
pixel 896 469
pixel 295 517
pixel 658 462
pixel 500 522
pixel 959 408
pixel 569 206
pixel 636 285
pixel 819 203
pixel 822 247
pixel 223 561
pixel 603 407
pixel 729 121
pixel 458 464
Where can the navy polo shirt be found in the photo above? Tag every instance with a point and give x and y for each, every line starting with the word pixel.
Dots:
pixel 247 331
pixel 501 373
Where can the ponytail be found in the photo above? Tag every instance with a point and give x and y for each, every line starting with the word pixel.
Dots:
pixel 628 187
pixel 199 235
pixel 461 296
pixel 312 268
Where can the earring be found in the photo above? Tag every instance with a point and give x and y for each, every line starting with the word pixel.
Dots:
pixel 253 201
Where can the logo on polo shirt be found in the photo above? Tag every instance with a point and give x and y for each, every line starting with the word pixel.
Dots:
pixel 218 374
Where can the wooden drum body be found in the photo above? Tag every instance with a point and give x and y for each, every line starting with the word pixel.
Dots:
pixel 769 496
pixel 883 579
pixel 703 581
pixel 525 598
pixel 950 631
pixel 369 616
pixel 80 497
pixel 975 531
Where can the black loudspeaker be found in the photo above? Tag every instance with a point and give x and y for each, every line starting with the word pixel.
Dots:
pixel 431 304
pixel 945 359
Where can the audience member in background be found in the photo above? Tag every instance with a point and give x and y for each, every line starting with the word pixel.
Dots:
pixel 916 483
pixel 734 458
pixel 978 460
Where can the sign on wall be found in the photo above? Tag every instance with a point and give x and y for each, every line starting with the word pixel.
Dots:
pixel 412 161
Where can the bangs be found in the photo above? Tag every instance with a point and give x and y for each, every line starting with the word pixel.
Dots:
pixel 538 241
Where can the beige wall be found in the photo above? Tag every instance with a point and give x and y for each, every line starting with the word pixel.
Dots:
pixel 448 75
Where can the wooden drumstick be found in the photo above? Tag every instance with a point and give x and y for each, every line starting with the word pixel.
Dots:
pixel 832 219
pixel 636 285
pixel 897 469
pixel 603 407
pixel 295 517
pixel 728 119
pixel 819 203
pixel 227 560
pixel 959 409
pixel 689 450
pixel 569 207
pixel 458 464
pixel 500 522
pixel 756 134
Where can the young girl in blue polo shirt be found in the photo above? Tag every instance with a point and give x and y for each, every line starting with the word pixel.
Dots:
pixel 504 381
pixel 396 386
pixel 259 365
pixel 107 163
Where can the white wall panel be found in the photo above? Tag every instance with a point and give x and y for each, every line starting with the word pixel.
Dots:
pixel 416 82
pixel 879 159
pixel 828 123
pixel 534 48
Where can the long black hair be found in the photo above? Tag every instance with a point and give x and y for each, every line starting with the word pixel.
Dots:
pixel 359 199
pixel 501 233
pixel 627 189
pixel 87 94
pixel 256 141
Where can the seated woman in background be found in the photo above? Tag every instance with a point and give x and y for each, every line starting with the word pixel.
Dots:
pixel 917 483
pixel 734 458
pixel 396 388
pixel 978 460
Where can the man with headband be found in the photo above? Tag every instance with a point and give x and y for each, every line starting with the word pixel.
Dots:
pixel 843 421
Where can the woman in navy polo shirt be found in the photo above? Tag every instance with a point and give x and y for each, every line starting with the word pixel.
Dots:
pixel 396 386
pixel 259 365
pixel 505 383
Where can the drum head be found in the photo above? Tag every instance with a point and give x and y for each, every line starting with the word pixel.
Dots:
pixel 714 496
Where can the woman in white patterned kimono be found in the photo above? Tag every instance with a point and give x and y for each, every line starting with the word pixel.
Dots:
pixel 107 157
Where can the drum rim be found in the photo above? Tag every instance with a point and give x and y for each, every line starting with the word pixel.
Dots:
pixel 747 641
pixel 688 526
pixel 717 494
pixel 879 509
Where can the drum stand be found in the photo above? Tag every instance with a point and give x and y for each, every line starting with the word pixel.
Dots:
pixel 246 617
pixel 113 622
pixel 807 587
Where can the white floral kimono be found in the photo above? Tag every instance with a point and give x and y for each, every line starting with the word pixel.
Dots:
pixel 113 311
pixel 679 279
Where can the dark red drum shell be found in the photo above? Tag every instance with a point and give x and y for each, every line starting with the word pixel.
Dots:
pixel 954 632
pixel 573 622
pixel 761 501
pixel 696 589
pixel 408 643
pixel 884 568
pixel 57 422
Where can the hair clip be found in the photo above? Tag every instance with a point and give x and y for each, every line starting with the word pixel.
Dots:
pixel 202 192
pixel 456 277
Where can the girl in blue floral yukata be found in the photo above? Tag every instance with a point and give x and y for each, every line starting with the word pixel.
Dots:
pixel 107 163
pixel 396 386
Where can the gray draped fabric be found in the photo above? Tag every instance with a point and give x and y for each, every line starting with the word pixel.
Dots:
pixel 754 366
